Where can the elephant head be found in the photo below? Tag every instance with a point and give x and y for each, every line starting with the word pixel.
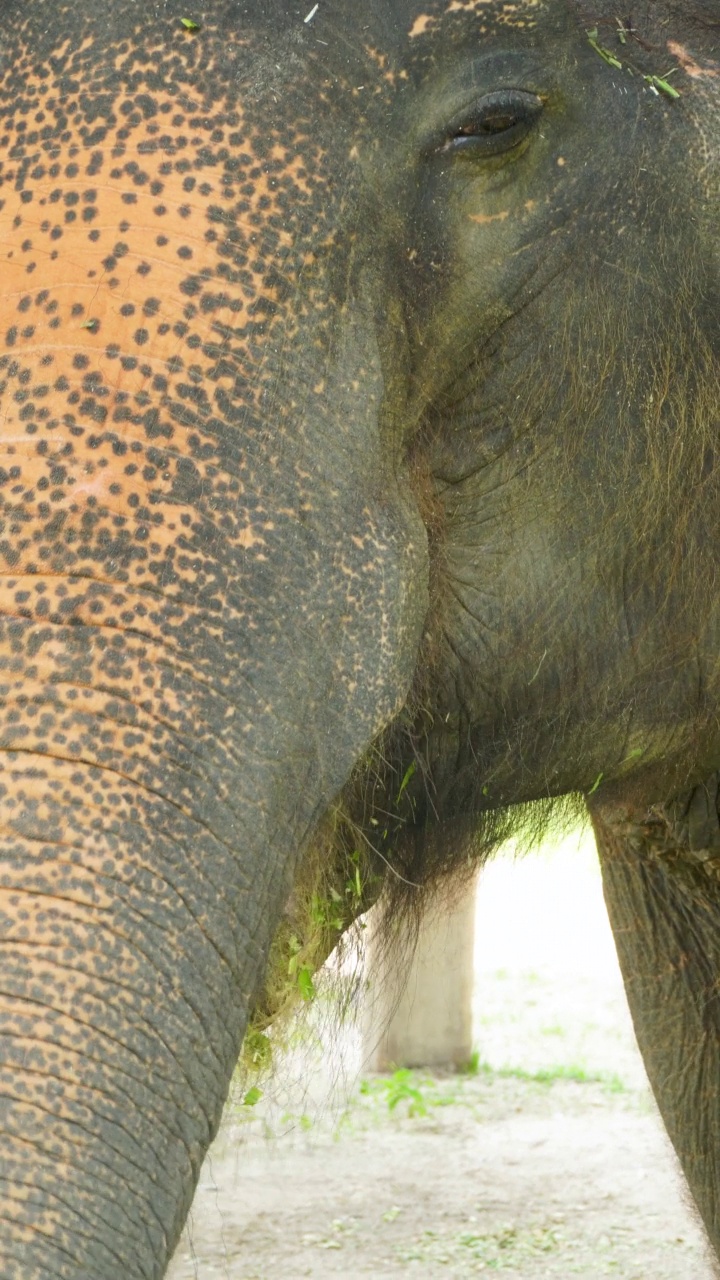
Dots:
pixel 359 395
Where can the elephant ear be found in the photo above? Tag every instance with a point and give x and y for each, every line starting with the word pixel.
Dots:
pixel 664 908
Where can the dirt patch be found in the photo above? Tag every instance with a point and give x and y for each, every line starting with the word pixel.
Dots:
pixel 549 1161
pixel 528 1179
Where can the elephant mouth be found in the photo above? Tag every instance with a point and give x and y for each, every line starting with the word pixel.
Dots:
pixel 392 842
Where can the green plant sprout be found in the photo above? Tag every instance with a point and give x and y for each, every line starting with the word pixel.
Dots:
pixel 658 84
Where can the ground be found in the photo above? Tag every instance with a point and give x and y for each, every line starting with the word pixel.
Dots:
pixel 546 1159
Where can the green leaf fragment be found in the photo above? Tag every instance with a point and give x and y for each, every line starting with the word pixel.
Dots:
pixel 89 324
pixel 252 1096
pixel 257 1049
pixel 306 986
pixel 596 784
pixel 661 84
pixel 190 25
pixel 408 775
pixel 353 889
pixel 605 54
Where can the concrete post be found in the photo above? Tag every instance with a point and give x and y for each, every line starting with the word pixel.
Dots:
pixel 423 1017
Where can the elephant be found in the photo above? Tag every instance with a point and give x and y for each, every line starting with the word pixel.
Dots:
pixel 360 386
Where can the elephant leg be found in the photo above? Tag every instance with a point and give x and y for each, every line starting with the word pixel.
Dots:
pixel 664 908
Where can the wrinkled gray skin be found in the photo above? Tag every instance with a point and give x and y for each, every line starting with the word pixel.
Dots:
pixel 359 410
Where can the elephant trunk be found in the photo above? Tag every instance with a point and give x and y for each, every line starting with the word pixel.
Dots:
pixel 137 900
pixel 185 685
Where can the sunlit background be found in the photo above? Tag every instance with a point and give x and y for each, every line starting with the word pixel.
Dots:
pixel 548 990
pixel 547 1159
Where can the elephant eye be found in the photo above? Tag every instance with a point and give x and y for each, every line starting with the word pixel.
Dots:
pixel 497 123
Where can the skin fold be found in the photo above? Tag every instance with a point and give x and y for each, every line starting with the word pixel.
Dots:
pixel 359 394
